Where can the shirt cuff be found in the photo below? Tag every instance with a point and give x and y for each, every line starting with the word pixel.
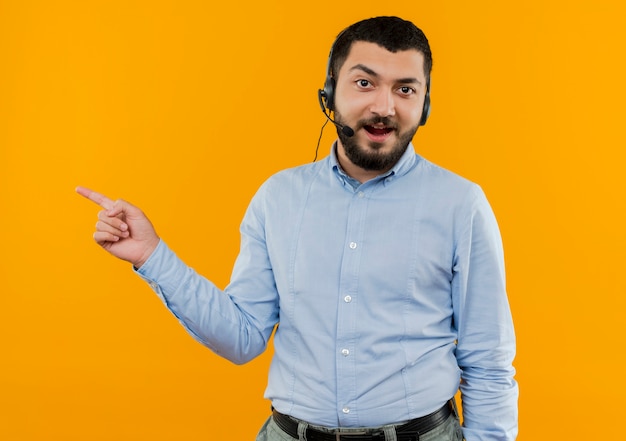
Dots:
pixel 163 270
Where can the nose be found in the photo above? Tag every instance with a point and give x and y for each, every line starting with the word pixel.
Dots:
pixel 383 104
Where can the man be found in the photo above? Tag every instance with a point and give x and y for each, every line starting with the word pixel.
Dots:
pixel 384 270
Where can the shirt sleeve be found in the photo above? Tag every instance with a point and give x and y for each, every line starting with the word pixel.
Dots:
pixel 235 323
pixel 486 337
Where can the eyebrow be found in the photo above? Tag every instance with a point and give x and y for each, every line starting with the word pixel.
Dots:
pixel 369 71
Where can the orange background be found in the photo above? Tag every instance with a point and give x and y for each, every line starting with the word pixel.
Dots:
pixel 185 107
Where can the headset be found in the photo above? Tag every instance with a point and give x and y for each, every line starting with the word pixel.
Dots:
pixel 326 96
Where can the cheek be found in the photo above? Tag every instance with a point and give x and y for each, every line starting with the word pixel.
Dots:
pixel 353 106
pixel 410 114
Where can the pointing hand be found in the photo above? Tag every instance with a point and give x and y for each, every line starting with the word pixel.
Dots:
pixel 122 229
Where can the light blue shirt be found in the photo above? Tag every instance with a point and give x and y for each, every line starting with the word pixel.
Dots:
pixel 389 295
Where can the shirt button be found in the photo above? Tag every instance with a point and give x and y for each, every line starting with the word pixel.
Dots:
pixel 361 194
pixel 353 245
pixel 345 352
pixel 347 299
pixel 346 410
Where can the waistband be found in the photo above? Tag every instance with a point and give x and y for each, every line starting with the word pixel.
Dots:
pixel 409 431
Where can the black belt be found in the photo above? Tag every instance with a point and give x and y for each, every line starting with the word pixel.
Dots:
pixel 410 431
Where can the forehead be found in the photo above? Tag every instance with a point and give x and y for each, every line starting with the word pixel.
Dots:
pixel 400 64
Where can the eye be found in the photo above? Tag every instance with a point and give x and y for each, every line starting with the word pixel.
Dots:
pixel 406 90
pixel 363 84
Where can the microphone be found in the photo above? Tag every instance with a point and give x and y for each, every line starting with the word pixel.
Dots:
pixel 347 131
pixel 344 129
pixel 321 95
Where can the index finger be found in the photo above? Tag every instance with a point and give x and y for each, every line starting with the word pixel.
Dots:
pixel 96 197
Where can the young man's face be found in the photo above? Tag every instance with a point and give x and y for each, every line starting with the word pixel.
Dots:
pixel 380 95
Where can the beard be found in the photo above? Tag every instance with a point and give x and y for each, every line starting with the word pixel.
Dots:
pixel 372 158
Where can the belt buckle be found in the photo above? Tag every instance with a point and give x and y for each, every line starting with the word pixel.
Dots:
pixel 378 435
pixel 339 433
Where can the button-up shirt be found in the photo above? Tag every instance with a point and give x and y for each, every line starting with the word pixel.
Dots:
pixel 388 295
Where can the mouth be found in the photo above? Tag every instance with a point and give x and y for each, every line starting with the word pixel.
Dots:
pixel 378 132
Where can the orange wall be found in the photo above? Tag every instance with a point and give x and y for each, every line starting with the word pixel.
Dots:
pixel 185 107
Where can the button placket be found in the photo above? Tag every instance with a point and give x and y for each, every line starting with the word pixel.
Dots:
pixel 347 325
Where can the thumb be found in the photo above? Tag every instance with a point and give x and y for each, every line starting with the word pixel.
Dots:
pixel 121 206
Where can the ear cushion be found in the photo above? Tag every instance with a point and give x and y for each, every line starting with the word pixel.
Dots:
pixel 329 93
pixel 426 108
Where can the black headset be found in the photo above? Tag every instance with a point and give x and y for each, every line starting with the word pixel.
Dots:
pixel 326 96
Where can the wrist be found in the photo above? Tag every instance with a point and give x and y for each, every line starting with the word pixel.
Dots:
pixel 147 253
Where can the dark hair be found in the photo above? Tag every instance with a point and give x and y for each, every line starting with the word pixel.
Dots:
pixel 392 33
